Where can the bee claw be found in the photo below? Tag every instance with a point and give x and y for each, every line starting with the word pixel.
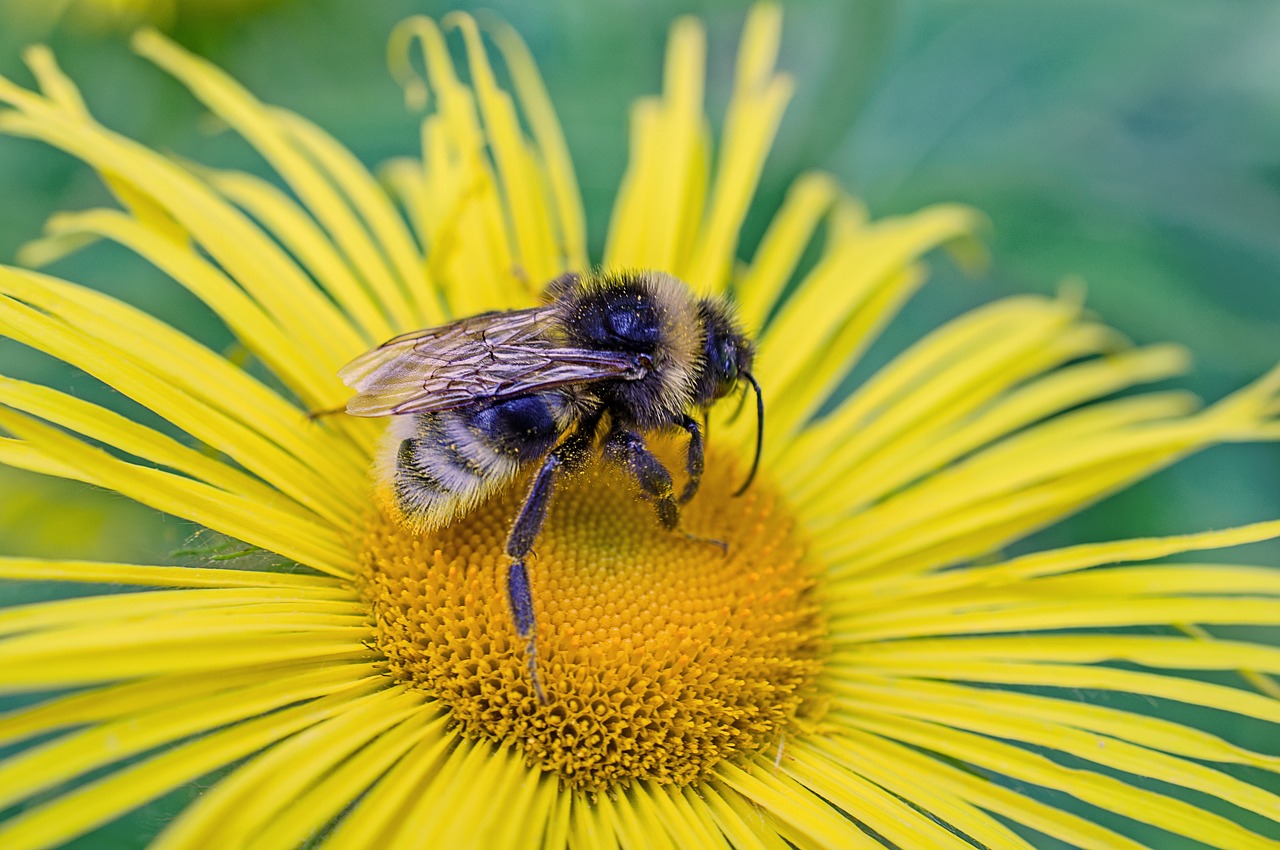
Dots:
pixel 531 658
pixel 719 544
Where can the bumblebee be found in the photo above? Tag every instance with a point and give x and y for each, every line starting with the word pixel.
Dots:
pixel 607 358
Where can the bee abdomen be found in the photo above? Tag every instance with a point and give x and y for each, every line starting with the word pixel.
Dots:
pixel 447 462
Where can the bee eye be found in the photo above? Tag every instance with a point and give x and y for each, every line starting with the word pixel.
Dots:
pixel 725 365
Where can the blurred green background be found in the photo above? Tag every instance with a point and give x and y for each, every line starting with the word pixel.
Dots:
pixel 1133 144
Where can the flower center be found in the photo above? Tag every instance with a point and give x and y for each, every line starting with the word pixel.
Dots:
pixel 660 656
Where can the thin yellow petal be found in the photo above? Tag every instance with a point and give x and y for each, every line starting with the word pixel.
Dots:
pixel 947 438
pixel 859 747
pixel 870 804
pixel 653 207
pixel 464 804
pixel 124 370
pixel 1089 676
pixel 809 324
pixel 795 805
pixel 259 524
pixel 674 817
pixel 941 370
pixel 372 821
pixel 53 83
pixel 911 783
pixel 1018 484
pixel 633 824
pixel 122 433
pixel 335 791
pixel 96 572
pixel 1178 653
pixel 1039 721
pixel 1090 555
pixel 249 798
pixel 1096 789
pixel 103 800
pixel 48 765
pixel 87 654
pixel 526 208
pixel 1061 614
pixel 1130 729
pixel 462 219
pixel 755 109
pixel 59 88
pixel 775 260
pixel 744 828
pixel 312 184
pixel 587 831
pixel 138 698
pixel 313 323
pixel 529 804
pixel 128 606
pixel 551 145
pixel 252 325
pixel 375 207
pixel 303 237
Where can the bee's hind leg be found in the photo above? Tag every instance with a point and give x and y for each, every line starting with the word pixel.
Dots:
pixel 628 450
pixel 519 543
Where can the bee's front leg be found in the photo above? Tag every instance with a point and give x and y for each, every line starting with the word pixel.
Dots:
pixel 628 450
pixel 694 459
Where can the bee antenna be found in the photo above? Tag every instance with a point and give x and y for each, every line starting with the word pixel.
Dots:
pixel 755 462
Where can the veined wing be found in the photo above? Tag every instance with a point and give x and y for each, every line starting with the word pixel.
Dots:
pixel 489 356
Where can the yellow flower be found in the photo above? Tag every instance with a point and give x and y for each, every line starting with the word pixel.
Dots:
pixel 862 668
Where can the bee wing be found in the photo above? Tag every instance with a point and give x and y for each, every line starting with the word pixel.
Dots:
pixel 490 356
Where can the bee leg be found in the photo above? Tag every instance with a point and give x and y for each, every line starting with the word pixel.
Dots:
pixel 627 449
pixel 519 543
pixel 694 459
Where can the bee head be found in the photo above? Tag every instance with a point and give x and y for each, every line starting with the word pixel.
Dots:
pixel 727 353
pixel 727 359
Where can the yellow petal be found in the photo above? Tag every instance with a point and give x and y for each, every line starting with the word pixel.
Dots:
pixel 655 204
pixel 137 606
pixel 856 746
pixel 915 786
pixel 755 109
pixel 114 702
pixel 742 825
pixel 863 800
pixel 551 145
pixel 332 793
pixel 800 809
pixel 91 805
pixel 371 822
pixel 522 194
pixel 111 428
pixel 1096 789
pixel 50 764
pixel 249 799
pixel 313 183
pixel 781 247
pixel 95 572
pixel 313 323
pixel 312 543
pixel 1085 734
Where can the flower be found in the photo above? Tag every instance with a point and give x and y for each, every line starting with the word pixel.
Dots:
pixel 862 667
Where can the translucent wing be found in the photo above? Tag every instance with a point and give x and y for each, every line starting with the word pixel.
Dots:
pixel 493 355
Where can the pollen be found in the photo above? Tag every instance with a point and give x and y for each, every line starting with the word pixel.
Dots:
pixel 660 656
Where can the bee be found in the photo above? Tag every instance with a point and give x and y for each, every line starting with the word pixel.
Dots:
pixel 607 358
